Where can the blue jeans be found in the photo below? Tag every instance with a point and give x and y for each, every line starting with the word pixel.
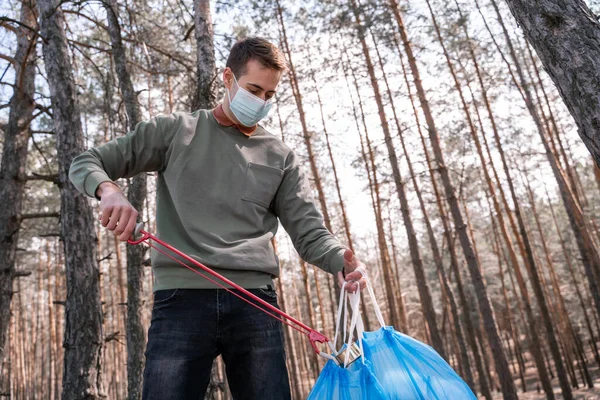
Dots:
pixel 191 327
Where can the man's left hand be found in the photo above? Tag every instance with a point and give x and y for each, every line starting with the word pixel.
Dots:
pixel 354 279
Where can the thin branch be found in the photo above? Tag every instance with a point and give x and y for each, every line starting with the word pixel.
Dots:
pixel 107 51
pixel 106 257
pixel 39 177
pixel 40 215
pixel 49 234
pixel 189 32
pixel 100 24
pixel 112 336
pixel 5 20
pixel 26 123
pixel 45 109
pixel 9 59
pixel 135 41
pixel 41 153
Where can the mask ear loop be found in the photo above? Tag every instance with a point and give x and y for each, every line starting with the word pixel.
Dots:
pixel 228 90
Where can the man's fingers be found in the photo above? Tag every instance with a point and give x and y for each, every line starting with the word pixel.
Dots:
pixel 351 286
pixel 354 276
pixel 114 219
pixel 105 216
pixel 341 279
pixel 123 221
pixel 129 228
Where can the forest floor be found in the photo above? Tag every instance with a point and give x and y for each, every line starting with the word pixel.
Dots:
pixel 579 394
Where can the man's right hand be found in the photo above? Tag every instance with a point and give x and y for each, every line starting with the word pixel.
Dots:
pixel 116 213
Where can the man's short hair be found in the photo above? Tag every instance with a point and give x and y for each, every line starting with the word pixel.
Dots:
pixel 255 48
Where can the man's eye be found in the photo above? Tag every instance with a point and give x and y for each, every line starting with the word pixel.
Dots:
pixel 269 97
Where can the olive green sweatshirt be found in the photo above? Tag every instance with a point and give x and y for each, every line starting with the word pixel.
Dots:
pixel 219 195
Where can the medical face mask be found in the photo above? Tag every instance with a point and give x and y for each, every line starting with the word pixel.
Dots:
pixel 246 107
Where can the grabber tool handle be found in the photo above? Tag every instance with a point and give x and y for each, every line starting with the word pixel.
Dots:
pixel 138 229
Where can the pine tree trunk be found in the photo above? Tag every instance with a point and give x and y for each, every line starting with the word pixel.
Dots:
pixel 382 249
pixel 339 193
pixel 136 338
pixel 393 292
pixel 458 335
pixel 561 31
pixel 12 172
pixel 294 82
pixel 589 252
pixel 532 267
pixel 422 285
pixel 311 311
pixel 566 326
pixel 511 328
pixel 597 174
pixel 83 341
pixel 489 322
pixel 291 355
pixel 205 95
pixel 469 329
pixel 52 337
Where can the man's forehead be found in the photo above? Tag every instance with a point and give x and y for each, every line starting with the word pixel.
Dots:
pixel 256 85
pixel 261 77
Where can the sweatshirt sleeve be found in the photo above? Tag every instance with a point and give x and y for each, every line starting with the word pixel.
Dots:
pixel 298 213
pixel 141 150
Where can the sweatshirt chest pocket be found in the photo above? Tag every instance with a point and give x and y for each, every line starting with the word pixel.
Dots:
pixel 261 183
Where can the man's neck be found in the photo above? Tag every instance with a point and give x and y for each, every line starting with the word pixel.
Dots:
pixel 225 117
pixel 227 111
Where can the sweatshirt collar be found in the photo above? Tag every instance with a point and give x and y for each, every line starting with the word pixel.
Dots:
pixel 224 120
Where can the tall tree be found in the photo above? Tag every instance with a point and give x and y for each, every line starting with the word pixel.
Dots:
pixel 136 195
pixel 306 134
pixel 83 339
pixel 448 293
pixel 14 157
pixel 590 256
pixel 532 267
pixel 417 262
pixel 205 95
pixel 566 36
pixel 489 322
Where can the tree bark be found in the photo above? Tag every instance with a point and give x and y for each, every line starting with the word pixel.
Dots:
pixel 14 158
pixel 83 340
pixel 566 36
pixel 590 256
pixel 136 338
pixel 205 95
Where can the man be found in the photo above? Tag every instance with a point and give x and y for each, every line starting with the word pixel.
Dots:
pixel 223 182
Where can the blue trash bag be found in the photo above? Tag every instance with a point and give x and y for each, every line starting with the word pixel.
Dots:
pixel 406 368
pixel 356 382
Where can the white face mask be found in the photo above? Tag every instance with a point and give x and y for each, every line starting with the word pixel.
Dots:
pixel 246 107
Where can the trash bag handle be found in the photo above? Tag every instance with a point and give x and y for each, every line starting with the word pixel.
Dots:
pixel 371 292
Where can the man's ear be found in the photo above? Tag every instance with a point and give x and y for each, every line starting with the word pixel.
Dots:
pixel 228 78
